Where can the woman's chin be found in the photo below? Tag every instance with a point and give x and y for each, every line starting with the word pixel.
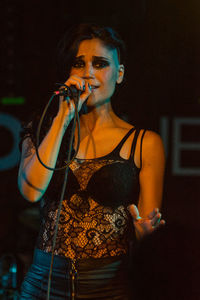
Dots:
pixel 97 104
pixel 95 101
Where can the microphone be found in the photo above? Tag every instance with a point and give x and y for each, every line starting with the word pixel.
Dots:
pixel 69 91
pixel 73 93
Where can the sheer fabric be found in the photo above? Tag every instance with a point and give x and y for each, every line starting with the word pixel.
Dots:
pixel 94 219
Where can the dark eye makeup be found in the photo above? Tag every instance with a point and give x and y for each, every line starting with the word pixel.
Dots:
pixel 98 63
pixel 78 63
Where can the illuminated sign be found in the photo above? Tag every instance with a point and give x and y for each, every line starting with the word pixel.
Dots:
pixel 11 159
pixel 180 146
pixel 12 100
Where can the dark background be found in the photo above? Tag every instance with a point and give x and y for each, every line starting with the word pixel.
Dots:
pixel 162 80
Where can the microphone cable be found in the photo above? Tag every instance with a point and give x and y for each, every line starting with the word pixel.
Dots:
pixel 66 166
pixel 76 120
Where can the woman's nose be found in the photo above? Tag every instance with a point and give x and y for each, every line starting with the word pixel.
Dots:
pixel 88 71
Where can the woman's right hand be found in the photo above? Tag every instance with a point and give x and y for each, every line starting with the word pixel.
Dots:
pixel 66 105
pixel 33 178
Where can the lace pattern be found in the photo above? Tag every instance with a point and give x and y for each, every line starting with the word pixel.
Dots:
pixel 86 228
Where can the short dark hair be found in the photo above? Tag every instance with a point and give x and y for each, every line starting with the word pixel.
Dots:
pixel 68 45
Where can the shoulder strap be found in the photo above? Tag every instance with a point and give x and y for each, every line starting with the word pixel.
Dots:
pixel 119 146
pixel 141 147
pixel 134 145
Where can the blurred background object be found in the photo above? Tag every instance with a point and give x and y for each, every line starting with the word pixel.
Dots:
pixel 161 91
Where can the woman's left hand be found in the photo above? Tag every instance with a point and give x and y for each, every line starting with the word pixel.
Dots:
pixel 146 225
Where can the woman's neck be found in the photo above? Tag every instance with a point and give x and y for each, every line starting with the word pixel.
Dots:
pixel 97 118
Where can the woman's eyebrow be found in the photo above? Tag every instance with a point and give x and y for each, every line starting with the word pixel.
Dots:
pixel 94 57
pixel 101 57
pixel 79 57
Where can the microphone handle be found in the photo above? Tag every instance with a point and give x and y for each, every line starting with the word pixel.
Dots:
pixel 68 91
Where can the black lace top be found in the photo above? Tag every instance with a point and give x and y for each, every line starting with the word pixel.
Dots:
pixel 94 219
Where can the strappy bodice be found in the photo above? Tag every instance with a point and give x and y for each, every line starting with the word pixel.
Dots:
pixel 94 219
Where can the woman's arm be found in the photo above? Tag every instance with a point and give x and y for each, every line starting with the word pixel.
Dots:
pixel 148 217
pixel 33 178
pixel 151 174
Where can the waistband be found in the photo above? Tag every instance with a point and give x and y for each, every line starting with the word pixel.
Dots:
pixel 62 263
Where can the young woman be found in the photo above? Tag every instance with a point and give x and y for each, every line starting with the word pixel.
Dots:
pixel 115 182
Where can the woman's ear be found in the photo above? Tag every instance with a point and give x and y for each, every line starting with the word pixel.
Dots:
pixel 120 74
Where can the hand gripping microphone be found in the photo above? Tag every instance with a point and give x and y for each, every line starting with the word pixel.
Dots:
pixel 73 93
pixel 68 91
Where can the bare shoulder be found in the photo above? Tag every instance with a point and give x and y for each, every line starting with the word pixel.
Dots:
pixel 152 147
pixel 152 138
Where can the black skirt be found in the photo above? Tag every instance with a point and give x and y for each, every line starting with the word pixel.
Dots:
pixel 93 278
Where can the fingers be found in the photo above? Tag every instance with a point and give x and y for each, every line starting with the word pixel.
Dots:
pixel 81 85
pixel 77 81
pixel 66 106
pixel 134 212
pixel 153 213
pixel 156 219
pixel 162 222
pixel 85 94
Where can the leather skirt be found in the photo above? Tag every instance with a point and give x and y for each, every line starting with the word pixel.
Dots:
pixel 92 278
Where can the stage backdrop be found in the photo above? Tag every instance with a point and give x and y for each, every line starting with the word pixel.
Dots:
pixel 161 92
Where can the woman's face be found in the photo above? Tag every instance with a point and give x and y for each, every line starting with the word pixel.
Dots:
pixel 99 66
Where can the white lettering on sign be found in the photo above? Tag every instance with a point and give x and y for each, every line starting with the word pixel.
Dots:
pixel 178 145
